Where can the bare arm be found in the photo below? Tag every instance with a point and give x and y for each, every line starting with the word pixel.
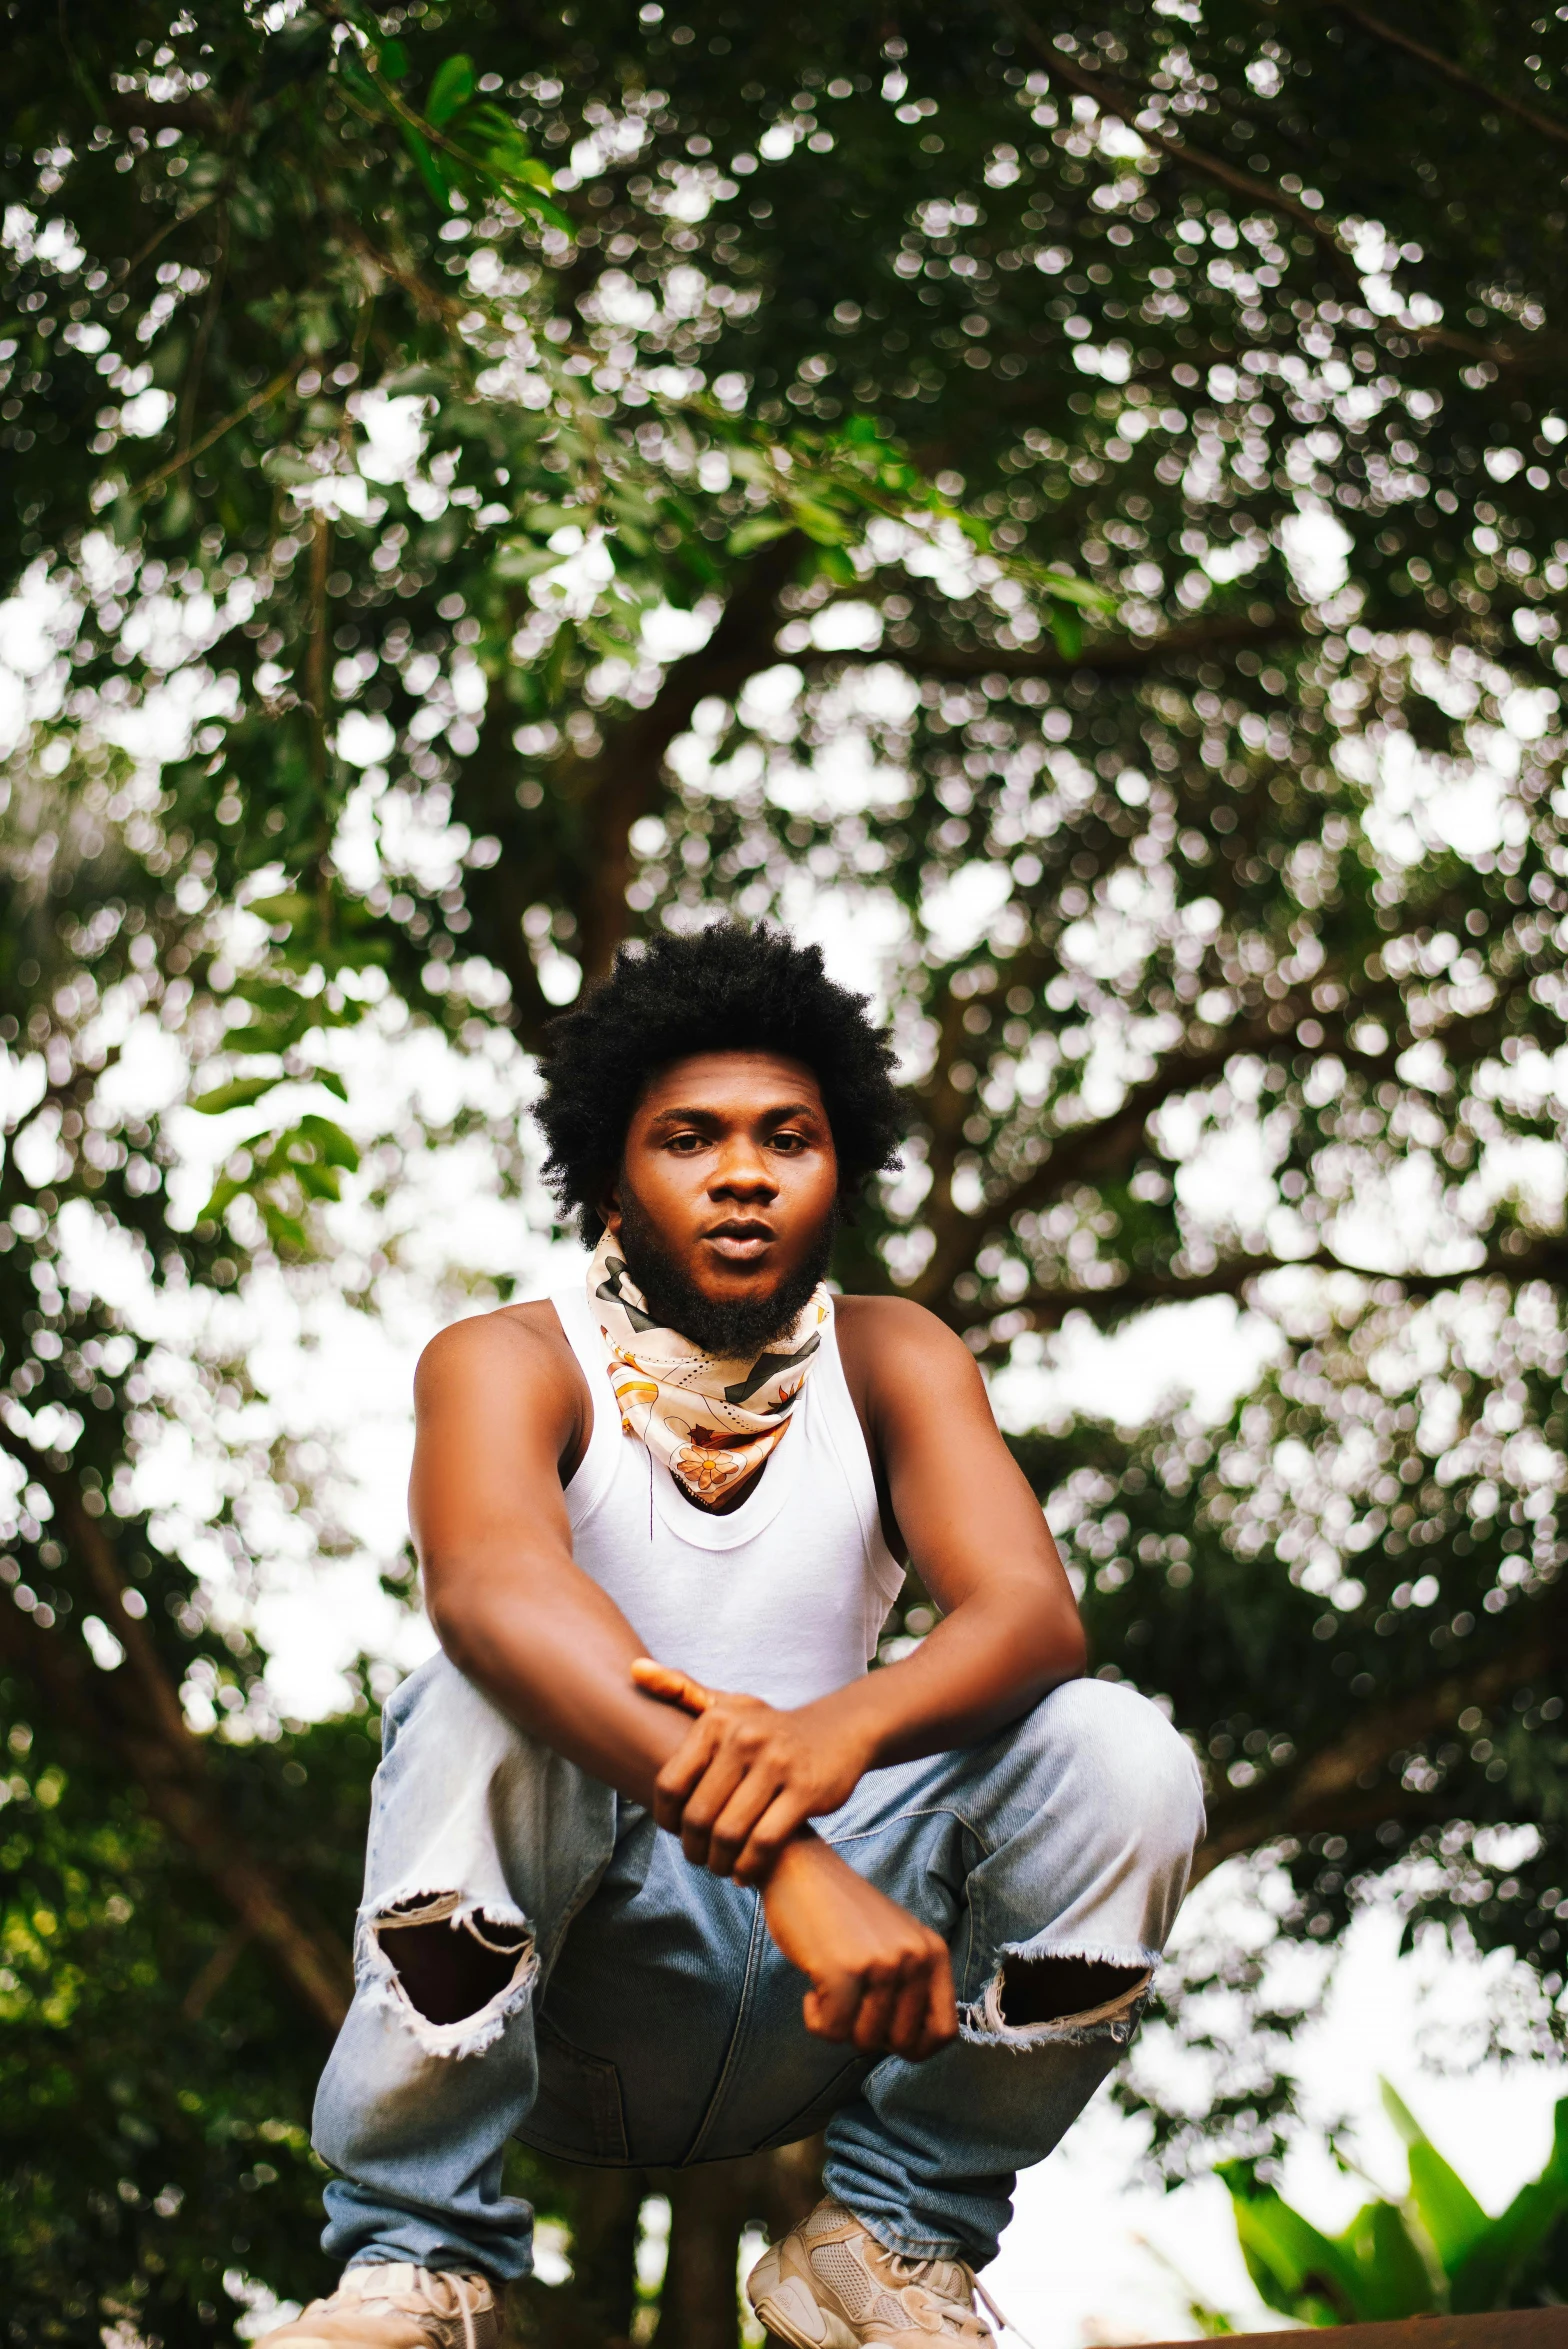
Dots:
pixel 976 1535
pixel 498 1405
pixel 747 1775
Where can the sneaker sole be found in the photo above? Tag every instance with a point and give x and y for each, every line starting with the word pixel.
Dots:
pixel 785 2308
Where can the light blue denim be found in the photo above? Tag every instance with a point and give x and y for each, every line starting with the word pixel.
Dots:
pixel 650 2018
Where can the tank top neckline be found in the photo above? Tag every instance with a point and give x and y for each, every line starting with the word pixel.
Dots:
pixel 608 1447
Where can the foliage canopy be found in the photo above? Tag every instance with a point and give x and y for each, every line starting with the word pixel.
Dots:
pixel 1082 490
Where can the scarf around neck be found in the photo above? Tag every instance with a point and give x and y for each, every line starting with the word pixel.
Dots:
pixel 712 1421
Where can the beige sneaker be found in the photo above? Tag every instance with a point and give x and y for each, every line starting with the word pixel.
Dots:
pixel 830 2285
pixel 395 2305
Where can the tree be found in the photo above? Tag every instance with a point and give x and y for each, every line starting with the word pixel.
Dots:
pixel 397 452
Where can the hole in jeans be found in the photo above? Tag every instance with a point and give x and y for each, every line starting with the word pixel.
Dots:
pixel 450 1975
pixel 1048 1989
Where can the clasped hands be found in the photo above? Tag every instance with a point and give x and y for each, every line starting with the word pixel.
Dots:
pixel 740 1791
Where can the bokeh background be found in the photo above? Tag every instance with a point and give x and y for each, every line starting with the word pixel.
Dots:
pixel 1068 512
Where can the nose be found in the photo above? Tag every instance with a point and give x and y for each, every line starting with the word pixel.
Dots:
pixel 741 1171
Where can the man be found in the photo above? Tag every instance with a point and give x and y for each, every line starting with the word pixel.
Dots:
pixel 649 1785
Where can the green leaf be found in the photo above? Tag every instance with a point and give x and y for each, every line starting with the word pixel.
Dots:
pixel 392 60
pixel 238 1094
pixel 1484 2277
pixel 544 518
pixel 1392 2278
pixel 1067 629
pixel 1068 590
pixel 533 201
pixel 284 1231
pixel 350 71
pixel 1297 2270
pixel 317 1182
pixel 516 562
pixel 335 1147
pixel 818 522
pixel 452 88
pixel 1448 2210
pixel 747 536
pixel 429 169
pixel 289 906
pixel 332 1082
pixel 417 378
pixel 289 468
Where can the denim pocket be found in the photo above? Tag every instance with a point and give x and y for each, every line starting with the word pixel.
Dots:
pixel 578 2111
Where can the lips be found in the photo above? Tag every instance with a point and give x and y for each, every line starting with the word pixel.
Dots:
pixel 740 1243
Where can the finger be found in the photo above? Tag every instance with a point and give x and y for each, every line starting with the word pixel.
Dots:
pixel 941 2006
pixel 754 1794
pixel 830 2005
pixel 682 1773
pixel 783 1817
pixel 669 1686
pixel 707 1801
pixel 906 2032
pixel 876 2013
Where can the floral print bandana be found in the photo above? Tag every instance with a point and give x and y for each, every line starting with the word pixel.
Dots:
pixel 712 1422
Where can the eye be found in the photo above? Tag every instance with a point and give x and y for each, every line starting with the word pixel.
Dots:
pixel 686 1144
pixel 790 1142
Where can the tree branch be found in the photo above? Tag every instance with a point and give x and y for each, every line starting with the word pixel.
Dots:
pixel 1046 1309
pixel 1314 1792
pixel 1546 124
pixel 626 779
pixel 1132 107
pixel 576 847
pixel 136 1712
pixel 1105 1145
pixel 1111 657
pixel 215 432
pixel 1087 1150
pixel 1128 106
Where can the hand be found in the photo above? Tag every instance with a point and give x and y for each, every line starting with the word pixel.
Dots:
pixel 879 1977
pixel 748 1776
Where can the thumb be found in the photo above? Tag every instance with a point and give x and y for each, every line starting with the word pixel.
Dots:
pixel 669 1686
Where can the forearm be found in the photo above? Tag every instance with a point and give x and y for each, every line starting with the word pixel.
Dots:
pixel 555 1653
pixel 985 1664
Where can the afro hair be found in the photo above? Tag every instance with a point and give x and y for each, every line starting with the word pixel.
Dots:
pixel 723 988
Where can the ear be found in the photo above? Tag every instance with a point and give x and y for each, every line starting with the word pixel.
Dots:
pixel 609 1206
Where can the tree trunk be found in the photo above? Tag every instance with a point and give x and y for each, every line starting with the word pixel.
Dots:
pixel 711 2207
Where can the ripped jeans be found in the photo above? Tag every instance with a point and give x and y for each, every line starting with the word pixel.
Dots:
pixel 644 2015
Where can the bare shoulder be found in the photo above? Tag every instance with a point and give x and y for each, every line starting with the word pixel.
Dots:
pixel 883 1339
pixel 518 1352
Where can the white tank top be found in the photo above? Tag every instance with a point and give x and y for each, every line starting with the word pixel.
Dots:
pixel 783 1598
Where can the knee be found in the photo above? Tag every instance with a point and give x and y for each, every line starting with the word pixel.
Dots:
pixel 1128 1768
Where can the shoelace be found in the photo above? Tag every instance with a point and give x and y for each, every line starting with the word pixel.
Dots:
pixel 433 2282
pixel 991 2309
pixel 917 2271
pixel 461 2291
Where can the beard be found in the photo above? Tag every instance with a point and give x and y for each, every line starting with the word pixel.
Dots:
pixel 737 1328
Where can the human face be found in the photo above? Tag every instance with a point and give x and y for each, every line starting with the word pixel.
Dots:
pixel 725 1203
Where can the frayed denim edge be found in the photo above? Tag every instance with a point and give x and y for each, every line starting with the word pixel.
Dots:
pixel 377 1976
pixel 980 2022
